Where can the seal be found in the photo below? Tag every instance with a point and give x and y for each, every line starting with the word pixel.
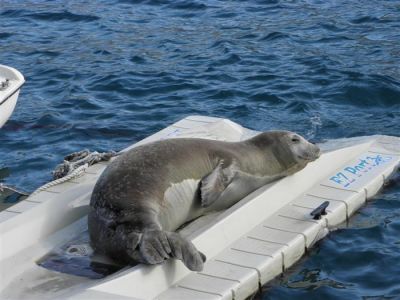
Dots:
pixel 148 192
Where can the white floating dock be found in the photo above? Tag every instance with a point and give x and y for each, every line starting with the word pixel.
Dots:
pixel 246 245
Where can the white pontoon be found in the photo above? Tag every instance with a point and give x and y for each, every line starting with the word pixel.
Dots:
pixel 247 245
pixel 11 82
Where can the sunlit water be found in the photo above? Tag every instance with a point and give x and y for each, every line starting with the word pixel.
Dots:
pixel 104 74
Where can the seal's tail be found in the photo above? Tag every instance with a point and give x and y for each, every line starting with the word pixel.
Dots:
pixel 157 246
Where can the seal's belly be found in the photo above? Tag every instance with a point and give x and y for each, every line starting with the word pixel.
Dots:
pixel 181 204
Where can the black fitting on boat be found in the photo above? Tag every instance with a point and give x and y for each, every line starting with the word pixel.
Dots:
pixel 4 84
pixel 320 211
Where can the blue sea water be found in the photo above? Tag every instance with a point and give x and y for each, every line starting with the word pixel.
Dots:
pixel 104 74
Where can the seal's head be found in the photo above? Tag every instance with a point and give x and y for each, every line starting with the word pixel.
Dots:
pixel 290 149
pixel 302 150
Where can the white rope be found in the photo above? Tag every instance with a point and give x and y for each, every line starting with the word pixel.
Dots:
pixel 3 187
pixel 74 174
pixel 73 166
pixel 77 159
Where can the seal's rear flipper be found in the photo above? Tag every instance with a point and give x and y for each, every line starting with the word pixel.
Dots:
pixel 154 247
pixel 215 183
pixel 157 246
pixel 184 250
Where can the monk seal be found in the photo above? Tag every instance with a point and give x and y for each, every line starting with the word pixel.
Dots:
pixel 146 193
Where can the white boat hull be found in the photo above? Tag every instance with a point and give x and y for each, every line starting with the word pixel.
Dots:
pixel 7 108
pixel 246 245
pixel 10 92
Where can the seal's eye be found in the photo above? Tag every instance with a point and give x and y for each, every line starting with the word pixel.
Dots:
pixel 295 139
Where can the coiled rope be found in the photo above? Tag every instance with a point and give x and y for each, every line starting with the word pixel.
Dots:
pixel 74 166
pixel 74 174
pixel 75 160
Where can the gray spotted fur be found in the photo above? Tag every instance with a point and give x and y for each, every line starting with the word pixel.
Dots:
pixel 148 192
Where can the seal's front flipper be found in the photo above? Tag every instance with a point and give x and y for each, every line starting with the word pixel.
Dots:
pixel 185 251
pixel 214 184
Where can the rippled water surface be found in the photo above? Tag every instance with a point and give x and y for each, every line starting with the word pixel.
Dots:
pixel 104 74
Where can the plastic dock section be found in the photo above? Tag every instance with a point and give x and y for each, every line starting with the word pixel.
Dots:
pixel 247 245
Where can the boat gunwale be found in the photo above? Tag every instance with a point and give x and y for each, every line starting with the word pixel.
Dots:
pixel 18 77
pixel 12 94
